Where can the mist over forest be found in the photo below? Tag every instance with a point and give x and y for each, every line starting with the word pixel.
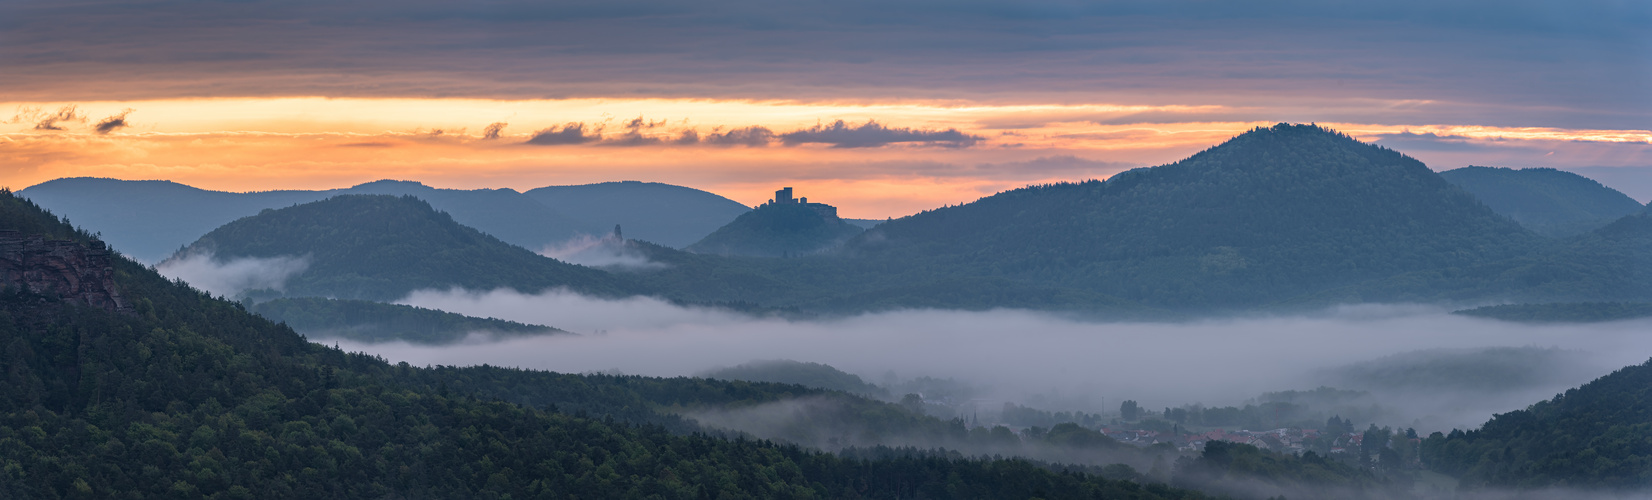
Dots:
pixel 1413 359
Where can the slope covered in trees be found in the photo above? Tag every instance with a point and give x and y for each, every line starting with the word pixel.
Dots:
pixel 1598 436
pixel 785 371
pixel 1548 201
pixel 186 396
pixel 378 247
pixel 1610 264
pixel 1271 214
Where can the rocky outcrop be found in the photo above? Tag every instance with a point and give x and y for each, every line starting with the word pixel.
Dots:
pixel 62 270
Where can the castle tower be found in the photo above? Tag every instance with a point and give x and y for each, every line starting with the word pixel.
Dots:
pixel 783 196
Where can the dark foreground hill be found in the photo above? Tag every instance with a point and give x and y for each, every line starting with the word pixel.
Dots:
pixel 168 393
pixel 1548 201
pixel 1598 436
pixel 673 216
pixel 1271 214
pixel 383 247
pixel 779 230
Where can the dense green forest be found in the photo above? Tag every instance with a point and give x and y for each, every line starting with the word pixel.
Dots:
pixel 378 247
pixel 778 230
pixel 1270 214
pixel 1570 312
pixel 1598 436
pixel 1610 264
pixel 365 321
pixel 786 371
pixel 188 396
pixel 1551 202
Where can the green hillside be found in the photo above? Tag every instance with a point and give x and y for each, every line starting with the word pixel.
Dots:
pixel 1598 436
pixel 185 396
pixel 674 216
pixel 779 230
pixel 365 321
pixel 1545 200
pixel 382 247
pixel 1273 213
pixel 1610 264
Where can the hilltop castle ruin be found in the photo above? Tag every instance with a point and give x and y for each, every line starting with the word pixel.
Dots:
pixel 784 197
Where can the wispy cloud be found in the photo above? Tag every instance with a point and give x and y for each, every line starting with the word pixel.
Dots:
pixel 567 134
pixel 117 122
pixel 873 134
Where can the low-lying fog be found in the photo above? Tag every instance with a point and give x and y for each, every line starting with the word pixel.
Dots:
pixel 1058 363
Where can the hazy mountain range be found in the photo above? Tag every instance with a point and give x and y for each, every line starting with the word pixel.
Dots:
pixel 1279 217
pixel 149 220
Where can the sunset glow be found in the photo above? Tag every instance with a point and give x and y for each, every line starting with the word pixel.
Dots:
pixel 956 104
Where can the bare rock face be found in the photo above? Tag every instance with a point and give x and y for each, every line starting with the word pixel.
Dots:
pixel 64 270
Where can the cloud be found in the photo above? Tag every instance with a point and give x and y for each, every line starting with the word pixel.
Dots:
pixel 754 136
pixel 48 121
pixel 201 270
pixel 591 251
pixel 118 122
pixel 874 134
pixel 1429 141
pixel 1020 356
pixel 493 129
pixel 568 134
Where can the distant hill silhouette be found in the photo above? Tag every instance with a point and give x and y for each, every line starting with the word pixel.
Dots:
pixel 148 220
pixel 779 229
pixel 1273 213
pixel 151 219
pixel 1548 201
pixel 673 216
pixel 380 247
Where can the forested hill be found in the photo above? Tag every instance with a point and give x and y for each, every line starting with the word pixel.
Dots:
pixel 779 230
pixel 186 396
pixel 1610 264
pixel 148 220
pixel 674 216
pixel 1273 213
pixel 1598 436
pixel 377 247
pixel 1545 200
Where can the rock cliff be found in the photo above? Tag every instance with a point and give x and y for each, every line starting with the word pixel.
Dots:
pixel 62 270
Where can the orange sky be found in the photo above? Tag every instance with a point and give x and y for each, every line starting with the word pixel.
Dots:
pixel 245 144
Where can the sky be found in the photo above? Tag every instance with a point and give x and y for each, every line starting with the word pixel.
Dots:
pixel 881 108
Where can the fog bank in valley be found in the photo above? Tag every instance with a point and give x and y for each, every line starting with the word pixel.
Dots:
pixel 204 271
pixel 1059 362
